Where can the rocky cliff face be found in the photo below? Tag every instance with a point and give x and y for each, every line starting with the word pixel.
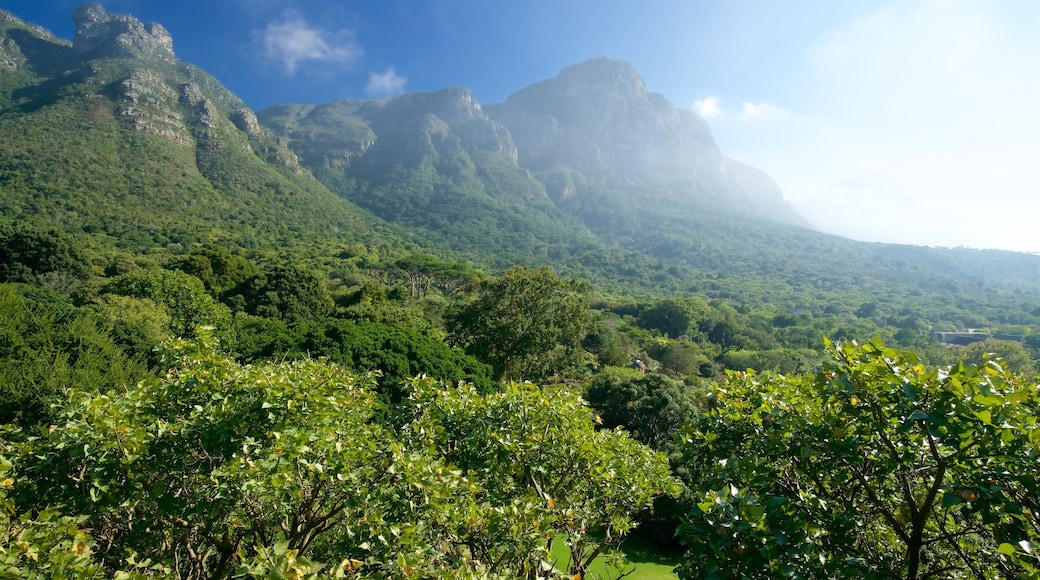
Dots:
pixel 597 119
pixel 102 34
pixel 131 66
pixel 409 128
pixel 598 115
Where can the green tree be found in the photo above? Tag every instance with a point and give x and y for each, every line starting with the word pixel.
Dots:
pixel 218 469
pixel 652 407
pixel 1012 355
pixel 47 345
pixel 547 472
pixel 285 292
pixel 676 317
pixel 37 256
pixel 182 295
pixel 528 324
pixel 876 467
pixel 218 268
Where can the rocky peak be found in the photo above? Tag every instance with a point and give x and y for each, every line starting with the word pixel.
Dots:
pixel 451 105
pixel 602 74
pixel 103 34
pixel 598 115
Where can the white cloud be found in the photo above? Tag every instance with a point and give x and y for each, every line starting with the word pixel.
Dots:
pixel 292 40
pixel 761 111
pixel 711 107
pixel 707 107
pixel 386 83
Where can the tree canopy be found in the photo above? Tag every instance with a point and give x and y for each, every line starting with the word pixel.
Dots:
pixel 874 467
pixel 527 323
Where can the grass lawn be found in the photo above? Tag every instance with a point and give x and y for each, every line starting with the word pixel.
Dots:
pixel 650 561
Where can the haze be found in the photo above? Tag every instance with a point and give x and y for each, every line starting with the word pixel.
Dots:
pixel 909 122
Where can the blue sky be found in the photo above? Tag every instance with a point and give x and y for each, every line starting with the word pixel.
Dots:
pixel 912 122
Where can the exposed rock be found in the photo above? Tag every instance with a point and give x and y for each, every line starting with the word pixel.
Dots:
pixel 597 118
pixel 191 95
pixel 21 42
pixel 10 56
pixel 148 104
pixel 452 111
pixel 245 120
pixel 102 34
pixel 206 112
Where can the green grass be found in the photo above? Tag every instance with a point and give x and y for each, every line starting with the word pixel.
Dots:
pixel 647 561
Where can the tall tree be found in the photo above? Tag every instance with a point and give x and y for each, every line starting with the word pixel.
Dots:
pixel 38 256
pixel 876 467
pixel 528 323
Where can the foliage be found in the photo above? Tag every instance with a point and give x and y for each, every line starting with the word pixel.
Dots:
pixel 47 345
pixel 138 325
pixel 281 470
pixel 610 346
pixel 781 360
pixel 227 463
pixel 676 317
pixel 218 268
pixel 34 256
pixel 548 473
pixel 285 292
pixel 875 467
pixel 652 407
pixel 528 324
pixel 397 352
pixel 422 271
pixel 182 295
pixel 50 545
pixel 1013 355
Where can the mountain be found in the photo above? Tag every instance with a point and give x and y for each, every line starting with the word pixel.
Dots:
pixel 632 148
pixel 112 139
pixel 111 135
pixel 589 157
pixel 433 162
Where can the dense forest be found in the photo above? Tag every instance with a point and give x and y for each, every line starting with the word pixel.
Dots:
pixel 322 342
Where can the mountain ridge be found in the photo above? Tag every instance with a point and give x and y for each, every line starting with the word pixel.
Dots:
pixel 150 155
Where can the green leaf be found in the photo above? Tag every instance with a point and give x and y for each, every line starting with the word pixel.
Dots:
pixel 910 391
pixel 985 417
pixel 1006 549
pixel 988 400
pixel 949 499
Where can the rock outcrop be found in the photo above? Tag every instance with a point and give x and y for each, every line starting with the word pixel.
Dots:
pixel 103 34
pixel 415 125
pixel 598 120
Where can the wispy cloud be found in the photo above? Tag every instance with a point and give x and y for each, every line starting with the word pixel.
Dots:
pixel 291 40
pixel 761 111
pixel 707 107
pixel 712 107
pixel 385 84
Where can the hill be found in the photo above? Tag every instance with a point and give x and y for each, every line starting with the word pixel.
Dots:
pixel 111 135
pixel 114 140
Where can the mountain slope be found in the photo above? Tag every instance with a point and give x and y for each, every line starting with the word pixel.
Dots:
pixel 633 149
pixel 433 162
pixel 111 134
pixel 666 209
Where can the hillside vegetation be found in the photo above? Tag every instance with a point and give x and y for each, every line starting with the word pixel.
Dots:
pixel 424 338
